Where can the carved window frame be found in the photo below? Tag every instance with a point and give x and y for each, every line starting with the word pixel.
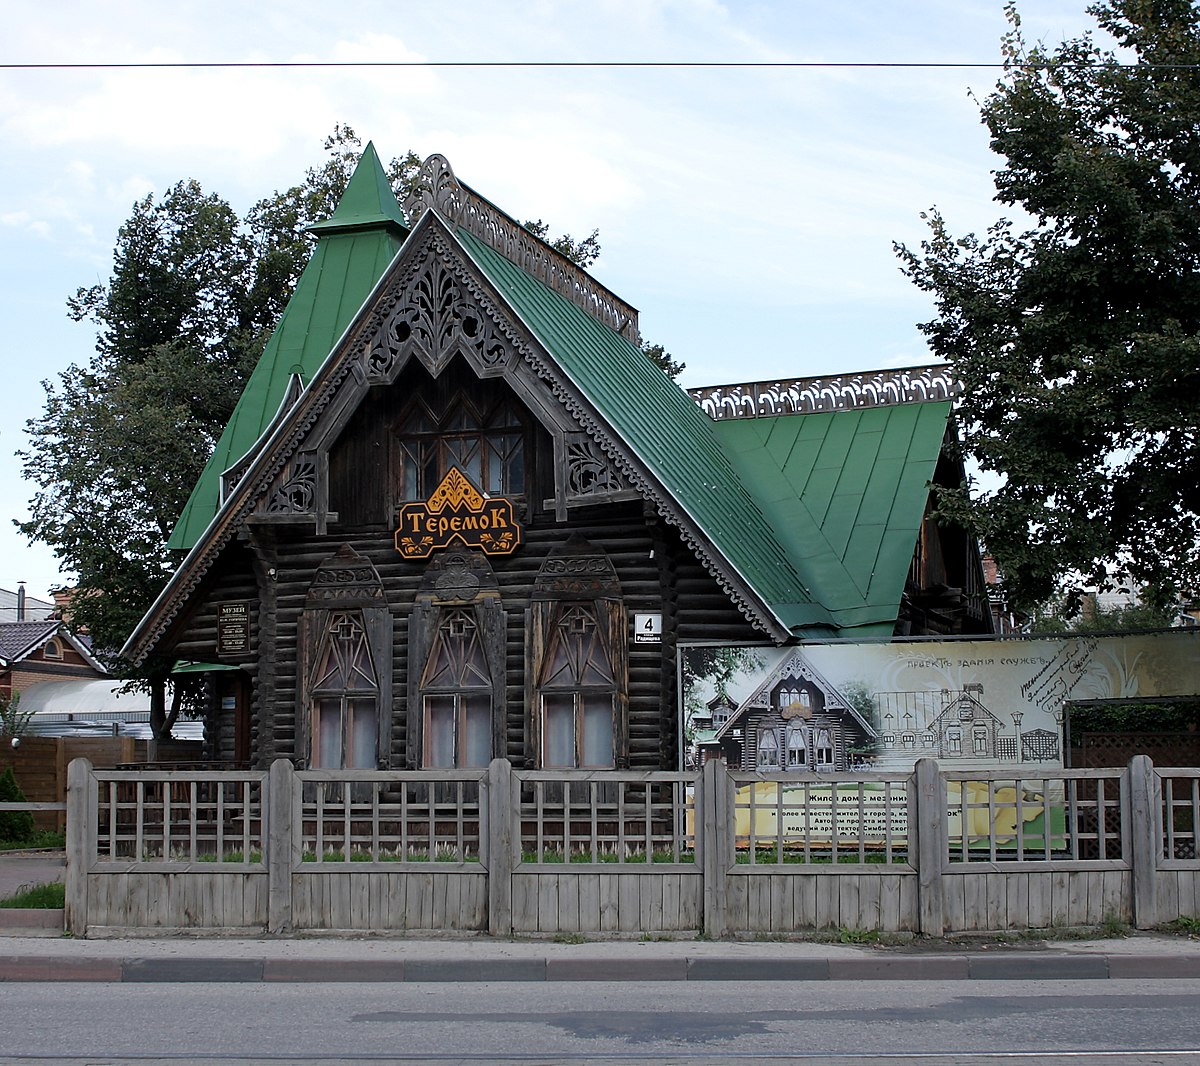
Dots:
pixel 578 635
pixel 456 582
pixel 346 585
pixel 578 577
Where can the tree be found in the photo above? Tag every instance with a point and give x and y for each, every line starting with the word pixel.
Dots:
pixel 1076 334
pixel 15 826
pixel 1086 613
pixel 193 296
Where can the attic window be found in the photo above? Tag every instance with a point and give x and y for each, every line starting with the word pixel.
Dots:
pixel 53 649
pixel 485 441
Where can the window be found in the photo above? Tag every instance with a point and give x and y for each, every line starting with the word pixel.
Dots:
pixel 908 740
pixel 53 649
pixel 768 749
pixel 577 688
pixel 797 747
pixel 953 742
pixel 485 441
pixel 979 740
pixel 824 748
pixel 456 694
pixel 345 696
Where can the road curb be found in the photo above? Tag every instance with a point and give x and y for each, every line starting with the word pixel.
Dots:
pixel 149 970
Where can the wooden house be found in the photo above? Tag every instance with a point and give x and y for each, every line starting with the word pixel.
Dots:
pixel 459 514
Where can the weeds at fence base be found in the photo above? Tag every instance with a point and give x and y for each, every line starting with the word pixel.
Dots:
pixel 51 896
pixel 1181 927
pixel 569 938
pixel 607 855
pixel 411 855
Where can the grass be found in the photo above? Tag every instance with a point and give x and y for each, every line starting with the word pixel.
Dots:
pixel 606 853
pixel 446 854
pixel 45 838
pixel 857 936
pixel 38 897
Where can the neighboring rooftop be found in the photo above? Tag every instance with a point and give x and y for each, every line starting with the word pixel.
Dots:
pixel 20 607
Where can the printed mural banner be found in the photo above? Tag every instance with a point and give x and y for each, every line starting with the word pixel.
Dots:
pixel 842 708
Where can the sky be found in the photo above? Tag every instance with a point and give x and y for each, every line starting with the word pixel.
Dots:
pixel 749 214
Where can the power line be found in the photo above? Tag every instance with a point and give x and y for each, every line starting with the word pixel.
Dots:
pixel 570 64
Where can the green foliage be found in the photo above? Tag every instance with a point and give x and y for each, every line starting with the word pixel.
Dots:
pixel 857 936
pixel 718 666
pixel 1076 333
pixel 1085 614
pixel 582 253
pixel 15 826
pixel 39 838
pixel 13 720
pixel 1134 716
pixel 47 897
pixel 658 355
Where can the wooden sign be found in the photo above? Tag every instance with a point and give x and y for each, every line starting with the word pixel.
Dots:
pixel 457 511
pixel 233 628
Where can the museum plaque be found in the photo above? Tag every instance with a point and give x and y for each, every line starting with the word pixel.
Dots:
pixel 233 628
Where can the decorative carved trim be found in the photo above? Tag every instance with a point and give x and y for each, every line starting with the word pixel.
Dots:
pixel 298 493
pixel 589 470
pixel 808 395
pixel 231 477
pixel 577 569
pixel 436 188
pixel 436 319
pixel 345 579
pixel 458 576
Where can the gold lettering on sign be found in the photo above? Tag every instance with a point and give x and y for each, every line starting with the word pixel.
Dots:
pixel 457 511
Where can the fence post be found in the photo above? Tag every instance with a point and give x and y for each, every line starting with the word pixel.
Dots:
pixel 503 802
pixel 1145 837
pixel 714 833
pixel 927 820
pixel 281 782
pixel 81 835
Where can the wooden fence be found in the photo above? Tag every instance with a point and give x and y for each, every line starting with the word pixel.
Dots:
pixel 40 766
pixel 543 852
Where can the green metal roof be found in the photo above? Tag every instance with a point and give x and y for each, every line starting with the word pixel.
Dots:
pixel 845 491
pixel 663 427
pixel 354 246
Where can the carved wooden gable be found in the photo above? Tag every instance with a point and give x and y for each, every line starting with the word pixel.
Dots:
pixel 436 306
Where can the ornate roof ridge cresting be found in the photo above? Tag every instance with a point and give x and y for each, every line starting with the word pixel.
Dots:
pixel 842 392
pixel 437 188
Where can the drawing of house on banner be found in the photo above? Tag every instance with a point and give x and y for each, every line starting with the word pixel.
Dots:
pixel 795 720
pixel 954 725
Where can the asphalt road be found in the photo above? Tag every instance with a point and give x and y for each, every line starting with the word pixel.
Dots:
pixel 843 1023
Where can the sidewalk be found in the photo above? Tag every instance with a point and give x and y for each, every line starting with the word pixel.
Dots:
pixel 50 957
pixel 481 958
